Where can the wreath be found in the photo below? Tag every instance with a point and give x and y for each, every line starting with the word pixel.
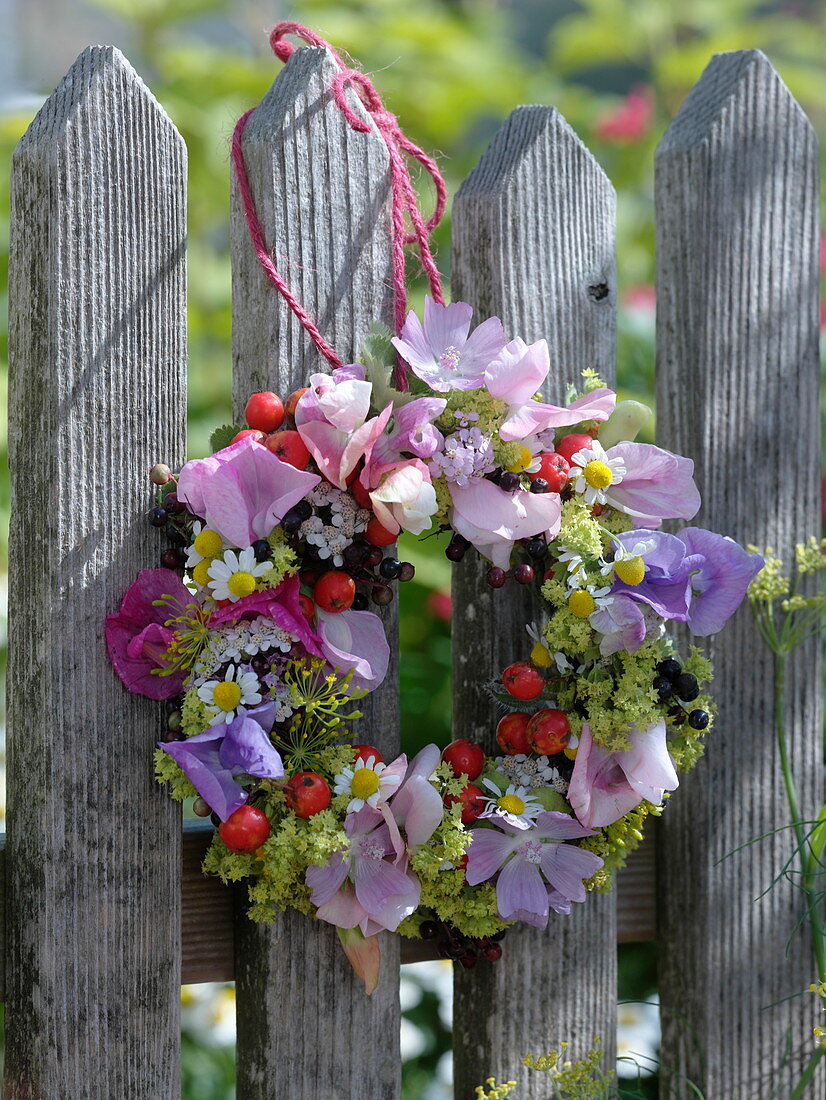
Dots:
pixel 259 637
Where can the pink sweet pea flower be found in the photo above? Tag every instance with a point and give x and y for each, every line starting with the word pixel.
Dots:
pixel 656 485
pixel 412 431
pixel 493 520
pixel 137 638
pixel 403 496
pixel 331 420
pixel 417 806
pixel 605 786
pixel 242 491
pixel 355 640
pixel 441 352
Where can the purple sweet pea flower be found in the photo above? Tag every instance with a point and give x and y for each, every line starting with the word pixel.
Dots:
pixel 605 785
pixel 355 640
pixel 526 860
pixel 242 491
pixel 363 887
pixel 493 520
pixel 412 432
pixel 721 574
pixel 214 759
pixel 656 485
pixel 137 638
pixel 337 451
pixel 666 586
pixel 441 352
pixel 620 622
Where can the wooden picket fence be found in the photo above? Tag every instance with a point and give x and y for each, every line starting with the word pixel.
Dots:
pixel 94 937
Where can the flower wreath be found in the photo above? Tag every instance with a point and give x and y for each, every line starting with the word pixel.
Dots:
pixel 259 638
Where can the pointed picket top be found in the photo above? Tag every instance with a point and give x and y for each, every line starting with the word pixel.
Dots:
pixel 538 182
pixel 744 77
pixel 321 190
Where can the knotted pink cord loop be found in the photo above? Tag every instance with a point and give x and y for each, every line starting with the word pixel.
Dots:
pixel 404 198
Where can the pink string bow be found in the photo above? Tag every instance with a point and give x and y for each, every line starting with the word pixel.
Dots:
pixel 404 199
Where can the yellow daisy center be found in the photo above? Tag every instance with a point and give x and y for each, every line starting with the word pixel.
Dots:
pixel 365 782
pixel 630 571
pixel 227 695
pixel 511 804
pixel 581 603
pixel 540 656
pixel 200 574
pixel 522 461
pixel 208 543
pixel 241 584
pixel 598 474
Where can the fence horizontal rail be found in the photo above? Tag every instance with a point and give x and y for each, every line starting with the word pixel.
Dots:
pixel 207 911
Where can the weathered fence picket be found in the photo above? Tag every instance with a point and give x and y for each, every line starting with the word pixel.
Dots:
pixel 533 243
pixel 738 389
pixel 322 192
pixel 97 392
pixel 97 395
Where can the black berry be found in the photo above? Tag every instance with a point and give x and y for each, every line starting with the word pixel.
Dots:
pixel 686 687
pixel 536 548
pixel 669 667
pixel 509 482
pixel 428 929
pixel 158 517
pixel 698 719
pixel 262 550
pixel 539 485
pixel 359 602
pixel 390 568
pixel 407 571
pixel 663 687
pixel 292 521
pixel 260 664
pixel 171 559
pixel 382 595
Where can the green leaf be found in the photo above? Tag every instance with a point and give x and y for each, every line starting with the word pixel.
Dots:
pixel 223 436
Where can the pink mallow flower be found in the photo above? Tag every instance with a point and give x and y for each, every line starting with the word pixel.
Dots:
pixel 607 785
pixel 517 373
pixel 443 352
pixel 364 887
pixel 332 420
pixel 492 520
pixel 242 491
pixel 402 495
pixel 137 638
pixel 526 860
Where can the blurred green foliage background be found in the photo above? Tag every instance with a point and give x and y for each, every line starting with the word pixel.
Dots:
pixel 451 70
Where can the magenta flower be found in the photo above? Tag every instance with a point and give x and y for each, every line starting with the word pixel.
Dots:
pixel 282 605
pixel 493 520
pixel 656 484
pixel 526 861
pixel 137 638
pixel 215 759
pixel 441 352
pixel 515 376
pixel 363 887
pixel 242 491
pixel 605 786
pixel 355 640
pixel 721 574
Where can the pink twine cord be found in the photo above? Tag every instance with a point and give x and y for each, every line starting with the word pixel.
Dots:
pixel 404 199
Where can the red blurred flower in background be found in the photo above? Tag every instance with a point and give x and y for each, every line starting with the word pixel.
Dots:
pixel 630 120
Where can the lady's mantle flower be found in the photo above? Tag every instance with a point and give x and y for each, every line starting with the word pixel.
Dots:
pixel 527 860
pixel 370 782
pixel 233 576
pixel 441 352
pixel 517 806
pixel 593 471
pixel 224 697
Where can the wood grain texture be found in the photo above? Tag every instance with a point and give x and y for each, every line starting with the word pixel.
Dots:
pixel 97 395
pixel 306 1028
pixel 533 243
pixel 738 390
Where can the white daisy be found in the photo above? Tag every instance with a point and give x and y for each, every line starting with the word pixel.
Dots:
pixel 365 782
pixel 233 576
pixel 225 698
pixel 206 544
pixel 517 806
pixel 592 472
pixel 629 562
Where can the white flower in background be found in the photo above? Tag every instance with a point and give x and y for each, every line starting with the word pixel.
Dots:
pixel 638 1038
pixel 224 698
pixel 517 806
pixel 233 576
pixel 592 472
pixel 208 1013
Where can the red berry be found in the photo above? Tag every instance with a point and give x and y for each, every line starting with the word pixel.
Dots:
pixel 253 433
pixel 473 803
pixel 245 830
pixel 523 574
pixel 308 793
pixel 377 535
pixel 289 447
pixel 307 606
pixel 464 757
pixel 361 495
pixel 292 401
pixel 511 733
pixel 554 469
pixel 496 577
pixel 335 591
pixel 522 680
pixel 570 444
pixel 264 411
pixel 549 731
pixel 364 752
